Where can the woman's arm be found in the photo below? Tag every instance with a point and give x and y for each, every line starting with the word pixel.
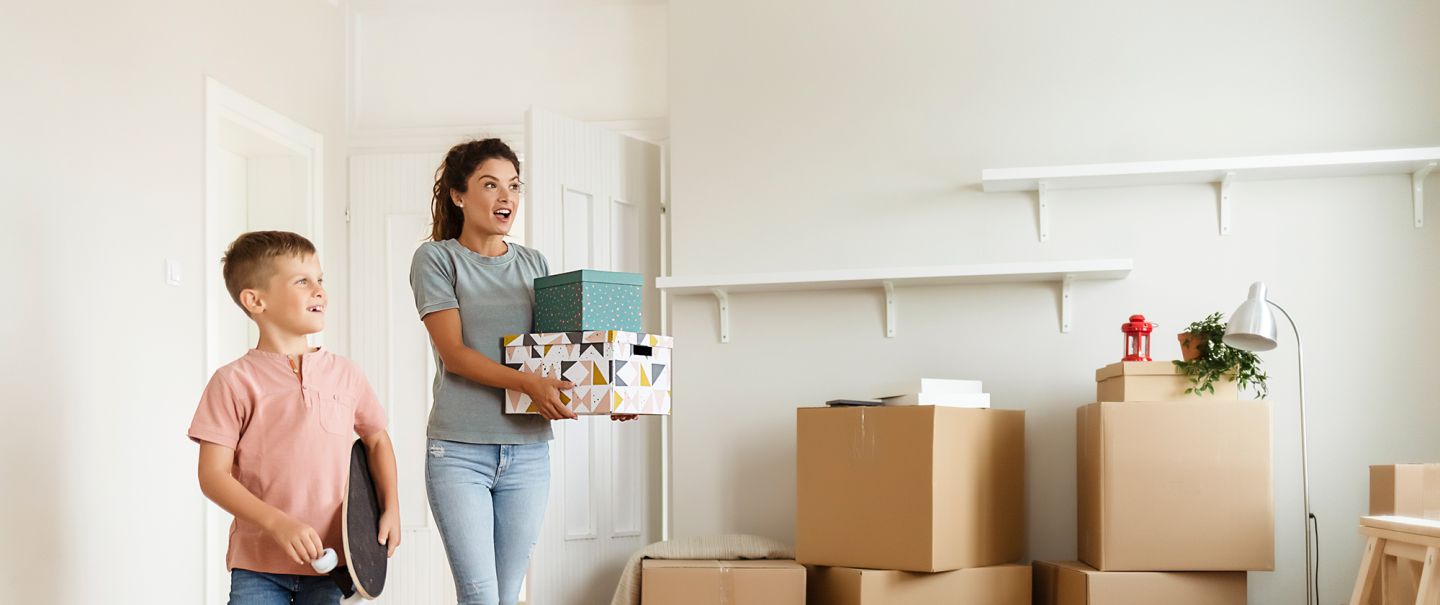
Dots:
pixel 444 328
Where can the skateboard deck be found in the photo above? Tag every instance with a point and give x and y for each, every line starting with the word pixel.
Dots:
pixel 360 524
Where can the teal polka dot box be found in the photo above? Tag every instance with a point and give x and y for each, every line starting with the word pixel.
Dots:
pixel 588 300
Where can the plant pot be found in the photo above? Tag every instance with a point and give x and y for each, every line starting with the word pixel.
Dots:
pixel 1192 346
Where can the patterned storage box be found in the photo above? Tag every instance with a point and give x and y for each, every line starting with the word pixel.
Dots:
pixel 613 372
pixel 588 300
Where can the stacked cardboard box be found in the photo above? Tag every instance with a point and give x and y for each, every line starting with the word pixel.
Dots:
pixel 1405 490
pixel 1000 584
pixel 1166 487
pixel 891 501
pixel 1075 583
pixel 768 582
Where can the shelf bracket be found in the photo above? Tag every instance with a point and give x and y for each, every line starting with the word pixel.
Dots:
pixel 1417 189
pixel 1225 202
pixel 889 309
pixel 1042 208
pixel 724 300
pixel 1065 305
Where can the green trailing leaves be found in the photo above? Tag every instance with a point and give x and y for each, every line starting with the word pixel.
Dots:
pixel 1220 362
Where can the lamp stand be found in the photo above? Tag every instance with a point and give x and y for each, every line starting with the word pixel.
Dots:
pixel 1311 589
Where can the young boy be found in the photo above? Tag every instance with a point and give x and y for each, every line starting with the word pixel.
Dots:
pixel 275 429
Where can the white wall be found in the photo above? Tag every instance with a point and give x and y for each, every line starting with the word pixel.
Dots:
pixel 819 135
pixel 103 168
pixel 442 63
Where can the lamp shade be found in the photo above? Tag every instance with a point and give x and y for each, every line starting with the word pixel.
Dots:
pixel 1252 325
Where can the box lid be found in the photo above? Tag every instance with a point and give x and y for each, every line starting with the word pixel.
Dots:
pixel 1072 566
pixel 588 337
pixel 1137 368
pixel 590 276
pixel 782 564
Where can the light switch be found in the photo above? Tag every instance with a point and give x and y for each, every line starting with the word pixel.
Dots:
pixel 172 272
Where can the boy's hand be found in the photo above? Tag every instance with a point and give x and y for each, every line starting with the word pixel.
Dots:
pixel 545 392
pixel 390 532
pixel 623 417
pixel 298 540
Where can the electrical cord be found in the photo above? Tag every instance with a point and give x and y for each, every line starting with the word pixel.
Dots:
pixel 1315 521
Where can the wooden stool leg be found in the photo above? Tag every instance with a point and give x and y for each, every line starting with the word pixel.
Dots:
pixel 1369 570
pixel 1429 579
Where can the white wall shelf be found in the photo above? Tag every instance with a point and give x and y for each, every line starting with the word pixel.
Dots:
pixel 1062 273
pixel 1416 163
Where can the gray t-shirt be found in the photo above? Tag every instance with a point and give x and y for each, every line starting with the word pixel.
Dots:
pixel 495 296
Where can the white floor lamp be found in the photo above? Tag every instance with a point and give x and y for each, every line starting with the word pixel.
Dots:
pixel 1252 328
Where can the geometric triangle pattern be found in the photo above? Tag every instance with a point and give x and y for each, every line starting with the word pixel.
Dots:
pixel 609 376
pixel 595 336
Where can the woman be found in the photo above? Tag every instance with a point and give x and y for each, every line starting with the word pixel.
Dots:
pixel 487 473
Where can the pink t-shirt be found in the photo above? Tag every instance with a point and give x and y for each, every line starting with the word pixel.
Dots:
pixel 291 440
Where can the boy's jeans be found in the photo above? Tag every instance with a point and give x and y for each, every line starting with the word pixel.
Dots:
pixel 488 501
pixel 256 588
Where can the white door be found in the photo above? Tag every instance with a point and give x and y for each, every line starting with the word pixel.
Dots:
pixel 594 202
pixel 389 218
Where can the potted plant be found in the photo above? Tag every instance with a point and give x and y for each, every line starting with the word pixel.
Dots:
pixel 1193 345
pixel 1207 359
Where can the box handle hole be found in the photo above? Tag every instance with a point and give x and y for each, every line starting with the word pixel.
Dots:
pixel 644 350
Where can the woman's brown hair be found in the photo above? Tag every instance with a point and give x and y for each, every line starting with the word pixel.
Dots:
pixel 446 219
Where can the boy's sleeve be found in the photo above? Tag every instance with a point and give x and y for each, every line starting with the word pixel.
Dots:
pixel 222 414
pixel 370 416
pixel 432 279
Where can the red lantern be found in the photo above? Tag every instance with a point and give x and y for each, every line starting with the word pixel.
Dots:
pixel 1137 338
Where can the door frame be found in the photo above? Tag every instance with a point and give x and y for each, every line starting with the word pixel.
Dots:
pixel 224 104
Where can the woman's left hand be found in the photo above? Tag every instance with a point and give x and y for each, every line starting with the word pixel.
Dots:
pixel 623 417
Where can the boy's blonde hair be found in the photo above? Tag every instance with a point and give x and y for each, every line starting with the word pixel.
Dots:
pixel 249 262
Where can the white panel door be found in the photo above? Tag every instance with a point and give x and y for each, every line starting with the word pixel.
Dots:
pixel 593 202
pixel 390 217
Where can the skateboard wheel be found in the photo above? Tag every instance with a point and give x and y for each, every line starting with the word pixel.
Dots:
pixel 326 562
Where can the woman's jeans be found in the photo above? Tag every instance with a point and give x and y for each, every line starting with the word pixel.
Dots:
pixel 489 501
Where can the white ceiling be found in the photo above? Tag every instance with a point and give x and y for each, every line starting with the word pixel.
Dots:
pixel 367 5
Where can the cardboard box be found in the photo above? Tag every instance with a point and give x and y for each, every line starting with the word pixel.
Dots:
pixel 1152 381
pixel 1406 490
pixel 674 582
pixel 588 300
pixel 996 585
pixel 613 372
pixel 1074 583
pixel 910 488
pixel 1175 486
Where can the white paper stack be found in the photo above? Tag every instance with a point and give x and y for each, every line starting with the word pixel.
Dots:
pixel 938 391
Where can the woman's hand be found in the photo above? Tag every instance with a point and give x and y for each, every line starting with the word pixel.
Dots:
pixel 545 393
pixel 623 417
